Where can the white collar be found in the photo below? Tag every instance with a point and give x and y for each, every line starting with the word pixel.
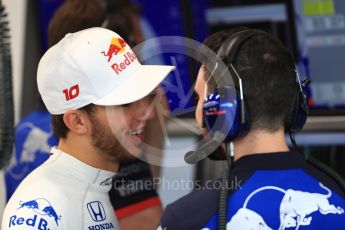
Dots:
pixel 84 172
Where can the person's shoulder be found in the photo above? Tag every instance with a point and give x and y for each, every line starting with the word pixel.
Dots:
pixel 44 182
pixel 37 203
pixel 326 178
pixel 200 204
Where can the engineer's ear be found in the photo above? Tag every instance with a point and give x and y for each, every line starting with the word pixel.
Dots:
pixel 77 122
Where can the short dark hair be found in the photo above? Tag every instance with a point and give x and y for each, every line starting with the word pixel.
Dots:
pixel 121 17
pixel 74 15
pixel 210 47
pixel 268 76
pixel 59 127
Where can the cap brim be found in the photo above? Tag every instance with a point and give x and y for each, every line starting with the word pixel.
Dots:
pixel 145 79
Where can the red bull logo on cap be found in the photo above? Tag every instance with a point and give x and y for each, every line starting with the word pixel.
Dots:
pixel 116 46
pixel 128 59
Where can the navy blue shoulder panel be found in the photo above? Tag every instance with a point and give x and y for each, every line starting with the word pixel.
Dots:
pixel 174 216
pixel 324 178
pixel 200 205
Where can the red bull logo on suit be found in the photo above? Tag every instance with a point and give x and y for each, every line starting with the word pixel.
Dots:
pixel 43 211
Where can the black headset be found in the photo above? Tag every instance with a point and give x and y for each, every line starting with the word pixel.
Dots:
pixel 224 110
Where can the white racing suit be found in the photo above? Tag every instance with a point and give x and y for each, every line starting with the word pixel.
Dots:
pixel 63 193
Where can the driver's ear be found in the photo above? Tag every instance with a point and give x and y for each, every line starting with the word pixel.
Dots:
pixel 77 121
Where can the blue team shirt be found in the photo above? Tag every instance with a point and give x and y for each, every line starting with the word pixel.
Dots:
pixel 33 140
pixel 275 191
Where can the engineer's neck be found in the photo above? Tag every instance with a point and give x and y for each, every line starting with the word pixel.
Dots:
pixel 259 141
pixel 87 153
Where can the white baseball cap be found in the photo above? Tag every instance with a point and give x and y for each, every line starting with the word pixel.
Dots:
pixel 94 66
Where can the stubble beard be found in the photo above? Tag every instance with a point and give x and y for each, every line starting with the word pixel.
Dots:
pixel 107 144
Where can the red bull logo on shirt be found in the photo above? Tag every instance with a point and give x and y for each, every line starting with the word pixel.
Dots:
pixel 42 211
pixel 116 46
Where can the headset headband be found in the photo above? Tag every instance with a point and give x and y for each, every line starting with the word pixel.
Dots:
pixel 230 47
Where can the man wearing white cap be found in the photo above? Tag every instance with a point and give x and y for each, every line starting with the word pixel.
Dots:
pixel 99 96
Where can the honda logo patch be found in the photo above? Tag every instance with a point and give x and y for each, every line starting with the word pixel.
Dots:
pixel 96 211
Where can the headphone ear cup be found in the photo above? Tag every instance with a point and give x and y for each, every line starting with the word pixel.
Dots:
pixel 298 113
pixel 302 112
pixel 222 112
pixel 291 114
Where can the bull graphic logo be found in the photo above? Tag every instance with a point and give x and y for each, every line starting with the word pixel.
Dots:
pixel 42 207
pixel 294 209
pixel 247 219
pixel 116 46
pixel 36 140
pixel 297 205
